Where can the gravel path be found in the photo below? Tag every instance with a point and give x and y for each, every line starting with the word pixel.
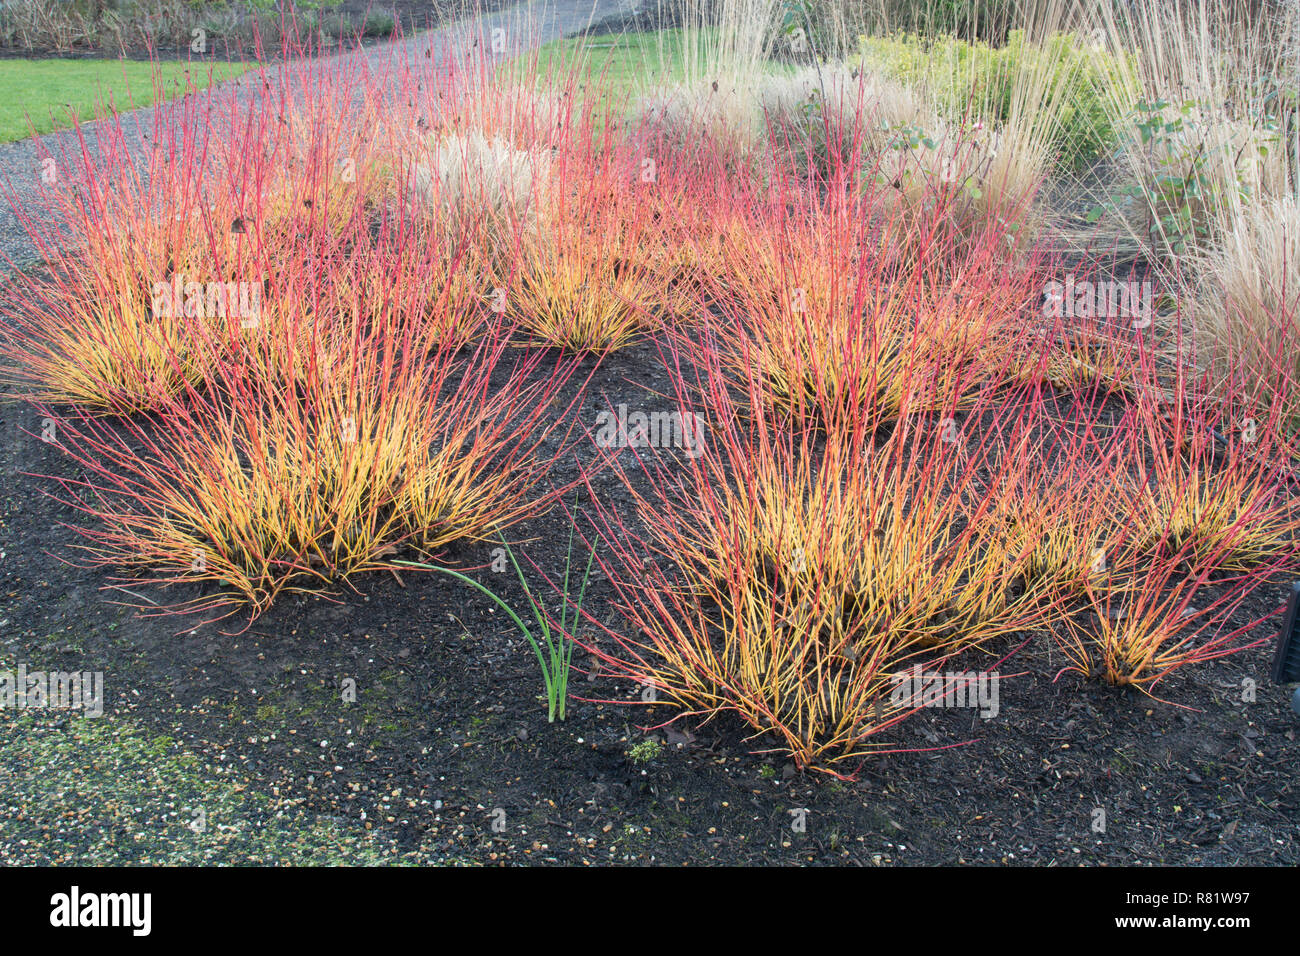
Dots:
pixel 527 25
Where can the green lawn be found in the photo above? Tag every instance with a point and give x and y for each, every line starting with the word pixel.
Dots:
pixel 623 66
pixel 627 59
pixel 627 62
pixel 51 91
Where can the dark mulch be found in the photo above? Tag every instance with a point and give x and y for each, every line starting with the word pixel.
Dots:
pixel 448 735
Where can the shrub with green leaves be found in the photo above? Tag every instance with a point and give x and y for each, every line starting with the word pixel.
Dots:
pixel 1195 164
pixel 379 25
pixel 1073 76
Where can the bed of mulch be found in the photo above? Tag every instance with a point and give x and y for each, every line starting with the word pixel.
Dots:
pixel 446 754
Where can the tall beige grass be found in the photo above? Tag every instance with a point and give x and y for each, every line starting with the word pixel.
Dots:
pixel 1219 66
pixel 1248 303
pixel 724 49
pixel 1229 72
pixel 1001 162
pixel 480 189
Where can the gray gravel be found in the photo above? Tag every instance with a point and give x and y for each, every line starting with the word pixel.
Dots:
pixel 527 25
